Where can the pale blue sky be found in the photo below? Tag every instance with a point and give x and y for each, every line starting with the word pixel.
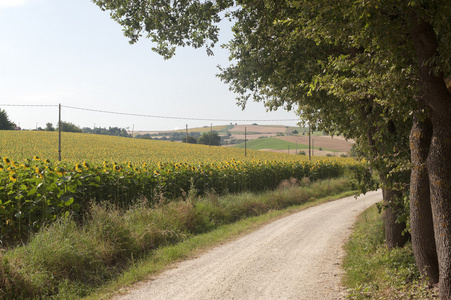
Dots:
pixel 71 52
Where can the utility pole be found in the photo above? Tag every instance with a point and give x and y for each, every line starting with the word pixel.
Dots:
pixel 309 143
pixel 245 141
pixel 211 132
pixel 186 139
pixel 59 133
pixel 313 147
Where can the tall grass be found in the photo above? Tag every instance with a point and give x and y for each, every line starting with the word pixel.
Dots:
pixel 67 259
pixel 374 272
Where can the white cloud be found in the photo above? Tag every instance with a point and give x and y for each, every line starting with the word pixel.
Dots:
pixel 10 3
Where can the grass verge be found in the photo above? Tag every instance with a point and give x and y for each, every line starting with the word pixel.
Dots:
pixel 374 272
pixel 115 248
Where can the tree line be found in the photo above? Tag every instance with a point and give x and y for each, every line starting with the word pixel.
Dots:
pixel 206 138
pixel 6 124
pixel 375 71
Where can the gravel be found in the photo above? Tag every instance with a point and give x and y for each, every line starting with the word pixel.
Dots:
pixel 296 257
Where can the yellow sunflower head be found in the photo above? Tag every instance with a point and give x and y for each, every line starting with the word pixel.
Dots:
pixel 13 176
pixel 78 167
pixel 60 171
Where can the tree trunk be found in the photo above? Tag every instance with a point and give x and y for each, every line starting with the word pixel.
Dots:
pixel 394 231
pixel 421 224
pixel 438 100
pixel 439 167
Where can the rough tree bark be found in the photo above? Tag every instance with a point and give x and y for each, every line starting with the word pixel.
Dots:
pixel 394 231
pixel 438 100
pixel 421 224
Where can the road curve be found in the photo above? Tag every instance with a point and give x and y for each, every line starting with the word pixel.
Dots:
pixel 296 257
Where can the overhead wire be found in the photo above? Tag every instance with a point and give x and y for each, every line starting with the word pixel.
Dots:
pixel 151 116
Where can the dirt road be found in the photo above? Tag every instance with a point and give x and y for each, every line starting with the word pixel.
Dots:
pixel 297 257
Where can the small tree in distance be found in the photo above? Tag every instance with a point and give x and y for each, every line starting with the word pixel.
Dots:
pixel 49 127
pixel 69 127
pixel 190 140
pixel 210 138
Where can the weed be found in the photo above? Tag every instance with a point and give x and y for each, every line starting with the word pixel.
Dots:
pixel 375 272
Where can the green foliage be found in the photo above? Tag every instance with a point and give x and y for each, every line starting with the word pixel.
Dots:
pixel 373 271
pixel 49 127
pixel 210 138
pixel 69 127
pixel 5 123
pixel 189 139
pixel 115 131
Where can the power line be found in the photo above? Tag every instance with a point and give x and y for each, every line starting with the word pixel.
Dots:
pixel 175 118
pixel 149 116
pixel 48 105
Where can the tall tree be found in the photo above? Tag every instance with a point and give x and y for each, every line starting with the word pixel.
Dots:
pixel 418 40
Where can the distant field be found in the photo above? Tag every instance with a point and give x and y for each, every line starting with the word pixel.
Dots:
pixel 337 144
pixel 258 129
pixel 273 143
pixel 220 128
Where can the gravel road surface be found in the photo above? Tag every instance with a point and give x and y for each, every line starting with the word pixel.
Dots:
pixel 296 257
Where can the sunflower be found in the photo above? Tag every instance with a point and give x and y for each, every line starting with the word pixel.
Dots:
pixel 60 171
pixel 6 160
pixel 36 157
pixel 78 167
pixel 13 176
pixel 39 169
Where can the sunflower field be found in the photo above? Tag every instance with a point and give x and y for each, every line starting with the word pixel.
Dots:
pixel 36 189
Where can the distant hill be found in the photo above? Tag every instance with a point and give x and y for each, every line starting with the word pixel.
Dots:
pixel 278 138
